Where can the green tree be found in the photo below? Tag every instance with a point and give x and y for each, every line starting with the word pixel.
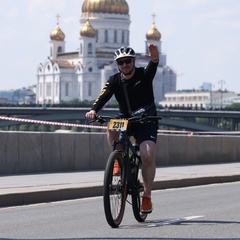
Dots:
pixel 13 128
pixel 233 107
pixel 33 128
pixel 53 128
pixel 23 127
pixel 74 129
pixel 42 128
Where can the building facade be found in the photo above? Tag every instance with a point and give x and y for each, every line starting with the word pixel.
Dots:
pixel 81 74
pixel 199 99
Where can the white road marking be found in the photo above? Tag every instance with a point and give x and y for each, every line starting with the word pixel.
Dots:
pixel 173 221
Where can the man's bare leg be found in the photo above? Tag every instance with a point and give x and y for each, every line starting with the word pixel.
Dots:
pixel 147 149
pixel 112 136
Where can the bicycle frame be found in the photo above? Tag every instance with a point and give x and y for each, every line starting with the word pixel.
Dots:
pixel 124 140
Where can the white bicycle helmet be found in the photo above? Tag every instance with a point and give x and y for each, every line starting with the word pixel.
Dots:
pixel 124 52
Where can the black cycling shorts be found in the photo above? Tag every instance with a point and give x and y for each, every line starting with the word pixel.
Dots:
pixel 144 131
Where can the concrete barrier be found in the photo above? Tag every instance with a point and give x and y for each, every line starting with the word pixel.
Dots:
pixel 32 152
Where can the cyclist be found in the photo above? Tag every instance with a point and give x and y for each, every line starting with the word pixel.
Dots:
pixel 139 89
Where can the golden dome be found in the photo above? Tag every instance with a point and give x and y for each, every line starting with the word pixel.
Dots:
pixel 105 6
pixel 153 33
pixel 57 34
pixel 88 30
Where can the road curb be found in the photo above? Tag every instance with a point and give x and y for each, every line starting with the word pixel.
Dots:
pixel 189 182
pixel 44 196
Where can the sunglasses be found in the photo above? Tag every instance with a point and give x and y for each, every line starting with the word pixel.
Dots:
pixel 127 61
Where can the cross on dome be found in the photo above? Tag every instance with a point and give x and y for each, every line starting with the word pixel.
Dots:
pixel 153 15
pixel 57 16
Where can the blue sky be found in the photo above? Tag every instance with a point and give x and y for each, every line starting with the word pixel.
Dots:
pixel 200 37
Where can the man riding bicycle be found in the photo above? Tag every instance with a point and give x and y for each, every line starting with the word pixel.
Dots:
pixel 133 89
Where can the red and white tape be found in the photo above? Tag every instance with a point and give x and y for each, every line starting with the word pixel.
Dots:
pixel 51 123
pixel 189 133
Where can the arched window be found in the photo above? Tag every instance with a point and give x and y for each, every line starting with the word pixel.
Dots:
pixel 48 89
pixel 81 47
pixel 127 37
pixel 115 36
pixel 67 89
pixel 90 48
pixel 59 49
pixel 89 89
pixel 96 35
pixel 106 36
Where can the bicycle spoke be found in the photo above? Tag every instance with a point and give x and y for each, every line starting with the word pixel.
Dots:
pixel 114 192
pixel 138 193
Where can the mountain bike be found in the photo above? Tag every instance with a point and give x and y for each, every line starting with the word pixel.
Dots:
pixel 116 188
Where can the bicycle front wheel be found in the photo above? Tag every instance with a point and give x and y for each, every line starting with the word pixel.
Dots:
pixel 115 190
pixel 138 192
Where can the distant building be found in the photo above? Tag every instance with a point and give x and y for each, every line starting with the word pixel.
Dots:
pixel 18 96
pixel 81 74
pixel 199 99
pixel 206 86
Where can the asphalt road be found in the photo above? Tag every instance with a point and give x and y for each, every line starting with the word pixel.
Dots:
pixel 203 212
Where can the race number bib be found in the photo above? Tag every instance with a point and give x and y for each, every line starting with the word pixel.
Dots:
pixel 118 124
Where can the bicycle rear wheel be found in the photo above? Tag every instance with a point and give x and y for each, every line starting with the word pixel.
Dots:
pixel 138 192
pixel 115 190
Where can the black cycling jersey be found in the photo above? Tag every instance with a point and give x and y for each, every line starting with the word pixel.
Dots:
pixel 139 89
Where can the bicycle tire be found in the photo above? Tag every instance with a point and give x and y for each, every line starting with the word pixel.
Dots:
pixel 137 192
pixel 115 191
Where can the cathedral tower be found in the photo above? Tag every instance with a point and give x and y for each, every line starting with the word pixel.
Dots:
pixel 57 43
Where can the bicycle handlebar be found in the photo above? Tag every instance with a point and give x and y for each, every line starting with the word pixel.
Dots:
pixel 141 118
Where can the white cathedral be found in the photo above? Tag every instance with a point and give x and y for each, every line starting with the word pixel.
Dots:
pixel 81 74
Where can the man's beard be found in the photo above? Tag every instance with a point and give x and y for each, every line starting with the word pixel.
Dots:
pixel 131 72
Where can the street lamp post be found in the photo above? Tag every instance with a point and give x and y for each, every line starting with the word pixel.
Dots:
pixel 221 82
pixel 211 96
